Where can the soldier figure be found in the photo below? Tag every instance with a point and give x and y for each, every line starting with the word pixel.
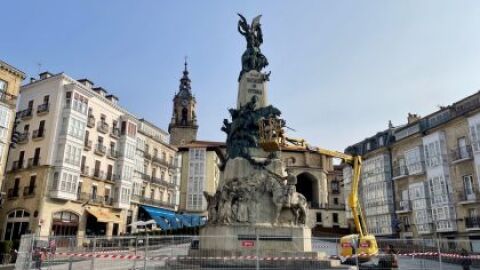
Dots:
pixel 291 189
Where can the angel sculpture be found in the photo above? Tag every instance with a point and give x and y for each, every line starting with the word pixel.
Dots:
pixel 252 58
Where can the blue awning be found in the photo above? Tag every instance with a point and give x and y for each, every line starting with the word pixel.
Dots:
pixel 164 218
pixel 168 220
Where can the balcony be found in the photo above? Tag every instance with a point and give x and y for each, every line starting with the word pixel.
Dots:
pixel 115 133
pixel 160 161
pixel 162 182
pixel 8 98
pixel 94 199
pixel 153 202
pixel 415 168
pixel 22 138
pixel 463 198
pixel 147 155
pixel 17 165
pixel 87 145
pixel 25 114
pixel 100 149
pixel 43 109
pixel 33 162
pixel 399 172
pixel 98 174
pixel 29 191
pixel 460 154
pixel 102 127
pixel 404 207
pixel 91 121
pixel 84 170
pixel 38 134
pixel 112 154
pixel 13 193
pixel 472 223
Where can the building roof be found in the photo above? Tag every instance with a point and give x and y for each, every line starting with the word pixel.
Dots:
pixel 441 116
pixel 12 69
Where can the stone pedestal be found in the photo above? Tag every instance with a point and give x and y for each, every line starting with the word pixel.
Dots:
pixel 266 240
pixel 252 83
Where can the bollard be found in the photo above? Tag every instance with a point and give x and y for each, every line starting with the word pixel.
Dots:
pixel 257 262
pixel 439 253
pixel 70 258
pixel 145 243
pixel 92 265
pixel 136 248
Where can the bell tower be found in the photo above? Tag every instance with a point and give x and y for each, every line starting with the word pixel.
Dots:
pixel 183 125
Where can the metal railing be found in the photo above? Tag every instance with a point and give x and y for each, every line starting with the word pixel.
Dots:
pixel 472 222
pixel 25 114
pixel 91 121
pixel 149 250
pixel 29 191
pixel 23 137
pixel 95 199
pixel 100 149
pixel 38 134
pixel 461 153
pixel 115 132
pixel 13 193
pixel 154 202
pixel 43 108
pixel 102 127
pixel 33 162
pixel 87 145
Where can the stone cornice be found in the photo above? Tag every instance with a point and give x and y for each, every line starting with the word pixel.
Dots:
pixel 12 70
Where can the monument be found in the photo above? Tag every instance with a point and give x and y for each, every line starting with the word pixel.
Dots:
pixel 256 199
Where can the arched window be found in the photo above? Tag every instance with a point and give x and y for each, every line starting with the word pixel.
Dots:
pixel 65 223
pixel 17 224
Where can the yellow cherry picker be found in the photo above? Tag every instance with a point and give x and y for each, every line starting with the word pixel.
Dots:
pixel 363 244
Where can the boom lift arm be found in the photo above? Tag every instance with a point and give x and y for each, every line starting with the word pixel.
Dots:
pixel 272 138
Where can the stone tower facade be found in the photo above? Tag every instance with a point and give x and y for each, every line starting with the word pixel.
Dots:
pixel 183 125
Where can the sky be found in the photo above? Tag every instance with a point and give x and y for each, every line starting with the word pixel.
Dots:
pixel 340 69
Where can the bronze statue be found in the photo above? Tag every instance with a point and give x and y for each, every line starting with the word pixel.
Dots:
pixel 252 58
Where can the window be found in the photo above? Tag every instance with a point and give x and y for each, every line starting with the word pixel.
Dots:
pixel 4 123
pixel 17 224
pixel 433 154
pixel 335 201
pixel 110 172
pixel 46 99
pixel 413 160
pixel 36 157
pixel 96 171
pixel 94 193
pixel 3 86
pixel 468 187
pixel 335 186
pixel 319 217
pixel 335 217
pixel 76 128
pixel 30 104
pixel 31 186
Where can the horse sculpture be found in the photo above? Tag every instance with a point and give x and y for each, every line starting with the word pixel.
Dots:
pixel 284 197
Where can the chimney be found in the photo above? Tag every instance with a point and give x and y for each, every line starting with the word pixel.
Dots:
pixel 32 79
pixel 112 98
pixel 412 118
pixel 100 90
pixel 86 82
pixel 45 75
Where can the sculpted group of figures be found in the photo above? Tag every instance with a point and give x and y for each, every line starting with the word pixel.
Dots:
pixel 239 200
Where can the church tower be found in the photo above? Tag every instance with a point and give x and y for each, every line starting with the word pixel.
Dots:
pixel 183 125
